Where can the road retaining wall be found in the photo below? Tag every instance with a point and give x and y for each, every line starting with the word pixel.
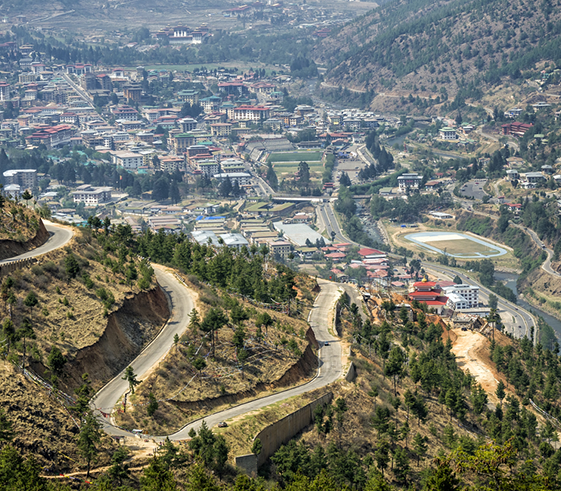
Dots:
pixel 7 268
pixel 281 432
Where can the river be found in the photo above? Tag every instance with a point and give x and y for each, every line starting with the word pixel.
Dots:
pixel 510 281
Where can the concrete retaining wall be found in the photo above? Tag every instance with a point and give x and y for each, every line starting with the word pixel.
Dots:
pixel 351 373
pixel 281 432
pixel 7 268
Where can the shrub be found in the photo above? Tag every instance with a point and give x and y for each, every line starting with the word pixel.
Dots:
pixel 88 281
pixel 37 270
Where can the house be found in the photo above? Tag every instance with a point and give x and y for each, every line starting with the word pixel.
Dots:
pixel 514 207
pixel 512 174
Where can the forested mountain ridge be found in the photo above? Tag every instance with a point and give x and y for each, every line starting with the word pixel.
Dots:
pixel 441 47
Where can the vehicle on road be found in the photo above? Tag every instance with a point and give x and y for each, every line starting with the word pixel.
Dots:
pixel 326 343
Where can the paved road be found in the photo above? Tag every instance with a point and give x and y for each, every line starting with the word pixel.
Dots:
pixel 59 236
pixel 181 305
pixel 330 359
pixel 522 318
pixel 327 216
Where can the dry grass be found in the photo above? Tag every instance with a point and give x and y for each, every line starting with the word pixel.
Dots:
pixel 274 362
pixel 68 315
pixel 17 222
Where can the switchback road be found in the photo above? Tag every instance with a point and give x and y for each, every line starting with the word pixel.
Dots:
pixel 330 358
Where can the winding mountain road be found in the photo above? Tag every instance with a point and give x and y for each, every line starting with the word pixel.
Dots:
pixel 330 359
pixel 181 304
pixel 59 237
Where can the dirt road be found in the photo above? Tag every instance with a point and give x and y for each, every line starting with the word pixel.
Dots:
pixel 472 354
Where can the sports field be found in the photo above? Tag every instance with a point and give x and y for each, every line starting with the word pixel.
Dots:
pixel 312 156
pixel 456 245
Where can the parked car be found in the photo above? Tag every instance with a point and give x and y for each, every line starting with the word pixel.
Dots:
pixel 222 424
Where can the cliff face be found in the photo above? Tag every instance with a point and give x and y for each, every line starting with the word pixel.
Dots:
pixel 128 331
pixel 11 248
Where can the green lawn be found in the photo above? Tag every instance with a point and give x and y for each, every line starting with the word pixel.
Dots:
pixel 312 156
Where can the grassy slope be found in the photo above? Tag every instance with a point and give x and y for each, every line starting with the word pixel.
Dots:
pixel 221 383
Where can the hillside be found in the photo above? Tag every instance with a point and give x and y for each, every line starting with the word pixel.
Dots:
pixel 439 49
pixel 257 351
pixel 21 229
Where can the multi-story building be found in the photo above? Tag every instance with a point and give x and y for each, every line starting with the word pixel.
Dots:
pixel 181 142
pixel 409 181
pixel 534 177
pixel 127 160
pixel 171 164
pixel 191 96
pixel 211 104
pixel 469 294
pixel 132 92
pixel 25 178
pixel 242 178
pixel 125 112
pixel 220 129
pixel 281 248
pixel 52 136
pixel 91 196
pixel 209 169
pixel 4 91
pixel 187 124
pixel 448 133
pixel 429 293
pixel 249 113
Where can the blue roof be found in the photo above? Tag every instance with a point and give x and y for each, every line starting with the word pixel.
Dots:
pixel 201 217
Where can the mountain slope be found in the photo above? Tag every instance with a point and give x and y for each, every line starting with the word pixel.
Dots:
pixel 408 43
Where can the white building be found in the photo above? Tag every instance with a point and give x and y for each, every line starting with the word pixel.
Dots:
pixel 91 196
pixel 235 241
pixel 242 178
pixel 12 191
pixel 448 133
pixel 468 293
pixel 127 160
pixel 409 181
pixel 456 302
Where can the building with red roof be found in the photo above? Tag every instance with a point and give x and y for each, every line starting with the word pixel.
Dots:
pixel 370 252
pixel 429 293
